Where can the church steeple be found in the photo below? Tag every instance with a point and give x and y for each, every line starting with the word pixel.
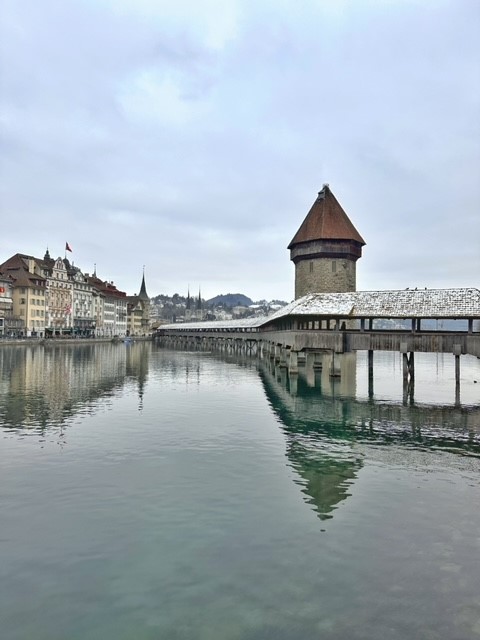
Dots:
pixel 143 290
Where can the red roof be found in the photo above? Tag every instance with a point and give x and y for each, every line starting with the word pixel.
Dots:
pixel 326 220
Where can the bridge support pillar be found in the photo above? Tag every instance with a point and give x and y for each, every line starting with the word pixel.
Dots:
pixel 335 371
pixel 278 353
pixel 293 362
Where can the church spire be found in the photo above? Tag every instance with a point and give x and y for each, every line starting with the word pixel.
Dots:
pixel 143 290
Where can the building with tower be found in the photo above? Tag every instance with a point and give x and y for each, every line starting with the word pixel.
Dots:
pixel 138 312
pixel 325 249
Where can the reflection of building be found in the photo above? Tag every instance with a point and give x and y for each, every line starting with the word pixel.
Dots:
pixel 56 382
pixel 325 249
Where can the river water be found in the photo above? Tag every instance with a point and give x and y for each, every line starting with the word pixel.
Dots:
pixel 149 494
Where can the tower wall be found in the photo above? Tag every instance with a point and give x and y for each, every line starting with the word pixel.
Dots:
pixel 325 275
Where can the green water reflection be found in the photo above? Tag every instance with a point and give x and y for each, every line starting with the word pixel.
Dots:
pixel 159 494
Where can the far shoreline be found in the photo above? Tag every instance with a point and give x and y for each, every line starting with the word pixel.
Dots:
pixel 28 341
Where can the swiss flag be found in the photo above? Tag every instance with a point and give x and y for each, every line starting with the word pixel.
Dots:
pixel 67 247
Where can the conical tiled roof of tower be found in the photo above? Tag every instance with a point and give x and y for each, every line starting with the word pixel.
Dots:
pixel 326 220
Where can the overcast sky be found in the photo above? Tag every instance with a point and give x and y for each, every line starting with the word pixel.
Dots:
pixel 192 137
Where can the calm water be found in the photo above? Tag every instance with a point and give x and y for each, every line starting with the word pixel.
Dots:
pixel 152 494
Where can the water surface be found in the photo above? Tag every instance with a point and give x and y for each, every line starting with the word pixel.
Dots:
pixel 152 494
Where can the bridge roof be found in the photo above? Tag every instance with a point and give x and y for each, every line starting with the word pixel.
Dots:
pixel 407 303
pixel 245 323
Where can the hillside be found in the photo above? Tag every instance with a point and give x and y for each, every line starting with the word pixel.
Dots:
pixel 230 300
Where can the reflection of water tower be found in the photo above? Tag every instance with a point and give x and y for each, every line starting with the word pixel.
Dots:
pixel 325 249
pixel 325 475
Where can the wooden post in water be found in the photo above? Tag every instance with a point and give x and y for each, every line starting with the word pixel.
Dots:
pixel 457 350
pixel 370 373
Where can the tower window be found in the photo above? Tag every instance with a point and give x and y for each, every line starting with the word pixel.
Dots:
pixel 311 266
pixel 334 266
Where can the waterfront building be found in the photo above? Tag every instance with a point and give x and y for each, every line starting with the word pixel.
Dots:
pixel 139 312
pixel 6 305
pixel 84 320
pixel 46 297
pixel 325 249
pixel 58 297
pixel 28 293
pixel 134 316
pixel 109 308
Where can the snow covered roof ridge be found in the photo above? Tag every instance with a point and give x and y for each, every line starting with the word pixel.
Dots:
pixel 405 303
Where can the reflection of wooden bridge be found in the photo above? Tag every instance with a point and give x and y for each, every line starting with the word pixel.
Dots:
pixel 325 433
pixel 300 398
pixel 347 322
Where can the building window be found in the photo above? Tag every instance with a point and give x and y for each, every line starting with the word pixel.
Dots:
pixel 311 266
pixel 334 266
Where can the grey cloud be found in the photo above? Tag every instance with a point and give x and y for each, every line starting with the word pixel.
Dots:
pixel 380 100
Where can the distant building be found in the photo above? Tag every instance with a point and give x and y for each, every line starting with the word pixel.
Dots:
pixel 194 310
pixel 138 312
pixel 325 249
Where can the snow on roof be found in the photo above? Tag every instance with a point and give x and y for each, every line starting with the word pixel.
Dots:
pixel 245 323
pixel 407 303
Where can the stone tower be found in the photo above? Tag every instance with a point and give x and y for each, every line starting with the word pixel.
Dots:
pixel 325 249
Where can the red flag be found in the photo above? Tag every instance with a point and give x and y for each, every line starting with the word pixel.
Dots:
pixel 67 247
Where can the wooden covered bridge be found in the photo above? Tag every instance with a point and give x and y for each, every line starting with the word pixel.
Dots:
pixel 406 321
